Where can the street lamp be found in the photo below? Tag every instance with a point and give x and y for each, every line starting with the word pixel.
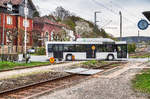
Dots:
pixel 120 25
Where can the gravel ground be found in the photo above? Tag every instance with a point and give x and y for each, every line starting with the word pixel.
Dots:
pixel 21 81
pixel 16 78
pixel 117 87
pixel 25 79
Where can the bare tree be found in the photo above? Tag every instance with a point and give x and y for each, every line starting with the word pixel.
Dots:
pixel 21 34
pixel 60 13
pixel 36 35
pixel 61 35
pixel 11 35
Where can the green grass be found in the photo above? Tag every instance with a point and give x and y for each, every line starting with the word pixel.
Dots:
pixel 10 65
pixel 142 82
pixel 91 62
pixel 140 56
pixel 94 62
pixel 114 65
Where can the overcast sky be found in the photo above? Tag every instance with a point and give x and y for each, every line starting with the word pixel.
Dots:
pixel 109 16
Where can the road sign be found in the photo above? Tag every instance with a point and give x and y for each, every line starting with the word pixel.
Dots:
pixel 52 60
pixel 26 23
pixel 143 24
pixel 26 11
pixel 93 47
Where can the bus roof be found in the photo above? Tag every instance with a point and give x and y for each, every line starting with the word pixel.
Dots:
pixel 94 40
pixel 72 42
pixel 89 41
pixel 121 42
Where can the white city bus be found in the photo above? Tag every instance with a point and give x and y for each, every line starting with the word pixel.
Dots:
pixel 87 49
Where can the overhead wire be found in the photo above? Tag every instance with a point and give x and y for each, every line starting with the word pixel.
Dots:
pixel 121 7
pixel 112 11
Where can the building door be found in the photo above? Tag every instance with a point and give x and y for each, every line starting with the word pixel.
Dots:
pixel 91 51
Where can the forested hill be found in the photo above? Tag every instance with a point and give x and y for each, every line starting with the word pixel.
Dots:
pixel 136 39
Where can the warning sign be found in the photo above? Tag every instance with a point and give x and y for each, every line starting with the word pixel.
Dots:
pixel 93 47
pixel 52 60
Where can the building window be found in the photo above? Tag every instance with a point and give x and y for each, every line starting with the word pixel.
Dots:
pixel 26 23
pixel 52 36
pixel 9 7
pixel 47 36
pixel 9 20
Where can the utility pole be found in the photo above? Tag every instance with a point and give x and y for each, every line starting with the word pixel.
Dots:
pixel 95 19
pixel 25 24
pixel 120 25
pixel 2 51
pixel 138 38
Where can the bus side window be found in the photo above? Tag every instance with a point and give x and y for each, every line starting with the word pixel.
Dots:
pixel 80 48
pixel 100 48
pixel 65 48
pixel 118 48
pixel 110 48
pixel 50 48
pixel 103 48
pixel 61 48
pixel 55 48
pixel 69 48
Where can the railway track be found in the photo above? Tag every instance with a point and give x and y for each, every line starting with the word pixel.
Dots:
pixel 49 85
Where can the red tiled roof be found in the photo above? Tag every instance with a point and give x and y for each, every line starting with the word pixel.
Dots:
pixel 46 20
pixel 14 2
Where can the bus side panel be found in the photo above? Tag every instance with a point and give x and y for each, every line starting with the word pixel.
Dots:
pixel 103 55
pixel 78 55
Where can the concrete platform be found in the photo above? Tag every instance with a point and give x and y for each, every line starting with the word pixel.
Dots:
pixel 83 71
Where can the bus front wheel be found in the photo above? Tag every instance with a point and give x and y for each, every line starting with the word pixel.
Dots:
pixel 69 57
pixel 110 57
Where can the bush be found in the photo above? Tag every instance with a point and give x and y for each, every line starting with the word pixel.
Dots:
pixel 131 47
pixel 90 63
pixel 9 57
pixel 40 51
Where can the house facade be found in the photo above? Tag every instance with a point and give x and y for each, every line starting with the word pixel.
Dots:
pixel 12 23
pixel 49 30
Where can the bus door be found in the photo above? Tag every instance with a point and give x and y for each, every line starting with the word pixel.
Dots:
pixel 58 51
pixel 121 51
pixel 91 51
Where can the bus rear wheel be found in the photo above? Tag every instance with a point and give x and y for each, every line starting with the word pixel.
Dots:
pixel 110 57
pixel 69 57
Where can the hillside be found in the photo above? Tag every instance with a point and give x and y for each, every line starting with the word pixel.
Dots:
pixel 80 26
pixel 84 28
